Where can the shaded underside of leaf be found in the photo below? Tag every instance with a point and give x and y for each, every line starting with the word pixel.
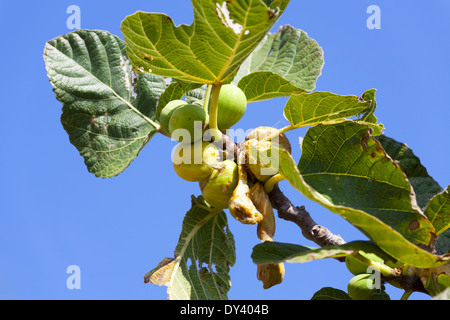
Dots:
pixel 438 211
pixel 108 110
pixel 443 242
pixel 284 63
pixel 425 187
pixel 278 252
pixel 209 50
pixel 203 256
pixel 328 293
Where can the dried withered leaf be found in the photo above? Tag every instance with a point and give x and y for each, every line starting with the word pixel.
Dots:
pixel 241 206
pixel 270 274
pixel 266 227
pixel 162 273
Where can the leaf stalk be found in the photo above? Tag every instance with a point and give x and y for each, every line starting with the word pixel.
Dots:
pixel 207 96
pixel 269 184
pixel 213 110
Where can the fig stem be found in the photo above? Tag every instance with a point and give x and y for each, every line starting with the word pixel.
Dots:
pixel 277 133
pixel 283 130
pixel 213 110
pixel 207 96
pixel 269 184
pixel 406 294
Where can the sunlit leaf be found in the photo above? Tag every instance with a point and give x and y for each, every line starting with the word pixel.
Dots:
pixel 344 169
pixel 284 63
pixel 438 211
pixel 208 51
pixel 425 187
pixel 320 107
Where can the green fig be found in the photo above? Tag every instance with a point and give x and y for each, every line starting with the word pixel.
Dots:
pixel 231 106
pixel 356 266
pixel 166 113
pixel 361 287
pixel 196 161
pixel 218 188
pixel 191 118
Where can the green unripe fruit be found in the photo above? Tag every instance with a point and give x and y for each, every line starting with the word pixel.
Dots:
pixel 190 117
pixel 231 106
pixel 361 287
pixel 195 162
pixel 356 266
pixel 218 188
pixel 166 113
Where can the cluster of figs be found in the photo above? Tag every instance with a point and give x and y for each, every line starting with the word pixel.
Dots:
pixel 228 179
pixel 237 179
pixel 205 162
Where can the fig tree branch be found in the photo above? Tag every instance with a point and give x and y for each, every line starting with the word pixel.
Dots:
pixel 231 148
pixel 310 229
pixel 320 235
pixel 287 211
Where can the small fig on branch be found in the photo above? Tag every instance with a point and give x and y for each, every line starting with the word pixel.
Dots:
pixel 188 120
pixel 166 113
pixel 219 186
pixel 356 266
pixel 196 161
pixel 231 106
pixel 361 287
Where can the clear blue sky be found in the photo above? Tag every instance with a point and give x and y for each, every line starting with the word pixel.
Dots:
pixel 53 213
